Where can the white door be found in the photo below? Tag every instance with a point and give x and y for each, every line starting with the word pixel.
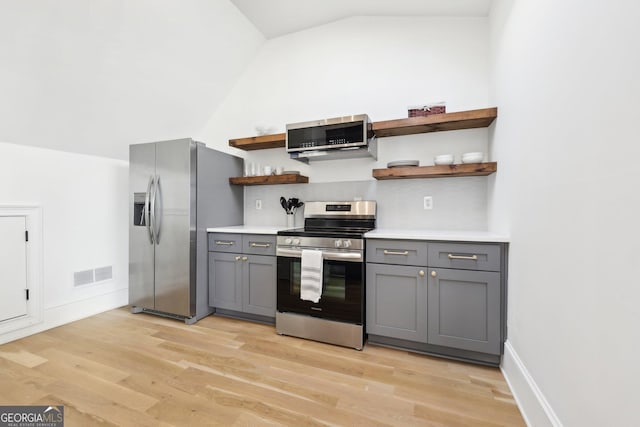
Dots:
pixel 13 267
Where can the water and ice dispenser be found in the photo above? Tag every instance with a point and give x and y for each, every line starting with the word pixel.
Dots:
pixel 139 199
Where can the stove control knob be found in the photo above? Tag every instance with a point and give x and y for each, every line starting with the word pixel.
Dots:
pixel 288 240
pixel 337 243
pixel 296 242
pixel 346 243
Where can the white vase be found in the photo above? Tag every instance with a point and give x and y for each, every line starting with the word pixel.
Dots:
pixel 291 220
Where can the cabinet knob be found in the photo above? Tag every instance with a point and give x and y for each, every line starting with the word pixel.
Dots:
pixel 237 258
pixel 434 274
pixel 421 273
pixel 244 258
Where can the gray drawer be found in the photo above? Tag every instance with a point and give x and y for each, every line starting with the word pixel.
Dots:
pixel 259 244
pixel 400 252
pixel 465 256
pixel 225 242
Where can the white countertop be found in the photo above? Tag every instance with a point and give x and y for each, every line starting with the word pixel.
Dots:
pixel 450 235
pixel 383 233
pixel 247 229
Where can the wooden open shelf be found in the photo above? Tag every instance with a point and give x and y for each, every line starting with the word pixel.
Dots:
pixel 261 142
pixel 289 178
pixel 436 123
pixel 413 125
pixel 442 171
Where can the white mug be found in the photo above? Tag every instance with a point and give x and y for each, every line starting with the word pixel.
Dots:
pixel 267 170
pixel 279 170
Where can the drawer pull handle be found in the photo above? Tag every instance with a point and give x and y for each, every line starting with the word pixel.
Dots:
pixel 386 252
pixel 421 273
pixel 238 258
pixel 434 274
pixel 472 257
pixel 260 245
pixel 223 242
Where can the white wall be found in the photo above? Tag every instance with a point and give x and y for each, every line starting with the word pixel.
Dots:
pixel 96 76
pixel 373 65
pixel 565 79
pixel 83 200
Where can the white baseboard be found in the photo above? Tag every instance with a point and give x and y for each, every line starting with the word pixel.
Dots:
pixel 67 313
pixel 534 407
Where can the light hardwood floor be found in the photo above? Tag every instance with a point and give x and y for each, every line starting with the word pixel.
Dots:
pixel 118 368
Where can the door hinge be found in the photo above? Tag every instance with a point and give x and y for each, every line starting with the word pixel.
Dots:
pixel 26 235
pixel 27 291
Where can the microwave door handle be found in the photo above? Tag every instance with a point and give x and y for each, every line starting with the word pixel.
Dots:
pixel 145 210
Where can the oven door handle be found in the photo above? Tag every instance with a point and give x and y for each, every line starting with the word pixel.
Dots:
pixel 330 255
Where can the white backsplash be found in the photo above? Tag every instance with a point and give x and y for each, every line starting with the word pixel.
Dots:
pixel 458 203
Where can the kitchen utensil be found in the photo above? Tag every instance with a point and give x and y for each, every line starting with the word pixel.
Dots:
pixel 403 163
pixel 283 203
pixel 444 159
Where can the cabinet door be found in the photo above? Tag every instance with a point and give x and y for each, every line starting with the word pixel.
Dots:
pixel 397 301
pixel 225 273
pixel 464 309
pixel 259 285
pixel 13 267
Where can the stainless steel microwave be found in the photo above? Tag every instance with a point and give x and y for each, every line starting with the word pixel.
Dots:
pixel 336 138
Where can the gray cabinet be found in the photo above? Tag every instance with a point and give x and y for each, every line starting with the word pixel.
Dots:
pixel 464 309
pixel 243 283
pixel 225 275
pixel 443 298
pixel 396 301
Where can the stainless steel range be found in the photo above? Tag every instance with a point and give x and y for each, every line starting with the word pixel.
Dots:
pixel 321 277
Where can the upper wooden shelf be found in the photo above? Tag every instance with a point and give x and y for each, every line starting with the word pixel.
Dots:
pixel 261 142
pixel 436 123
pixel 413 125
pixel 289 178
pixel 442 171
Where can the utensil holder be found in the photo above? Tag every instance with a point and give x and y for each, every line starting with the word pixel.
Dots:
pixel 291 220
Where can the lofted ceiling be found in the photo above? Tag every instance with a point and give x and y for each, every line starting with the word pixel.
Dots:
pixel 277 17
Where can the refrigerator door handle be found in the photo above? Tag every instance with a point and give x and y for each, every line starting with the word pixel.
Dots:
pixel 157 221
pixel 147 219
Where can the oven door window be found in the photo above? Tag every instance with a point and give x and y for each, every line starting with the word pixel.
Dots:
pixel 342 290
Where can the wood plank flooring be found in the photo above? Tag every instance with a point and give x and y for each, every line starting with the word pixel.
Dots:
pixel 122 369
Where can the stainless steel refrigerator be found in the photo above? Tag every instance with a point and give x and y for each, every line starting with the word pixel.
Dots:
pixel 178 189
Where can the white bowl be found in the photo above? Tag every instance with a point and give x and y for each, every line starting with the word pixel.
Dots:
pixel 443 159
pixel 475 157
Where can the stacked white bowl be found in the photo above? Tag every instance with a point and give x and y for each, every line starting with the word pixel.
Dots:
pixel 444 159
pixel 474 157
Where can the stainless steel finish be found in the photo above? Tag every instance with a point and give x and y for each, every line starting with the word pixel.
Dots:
pixel 141 251
pixel 421 273
pixel 361 209
pixel 157 199
pixel 337 148
pixel 387 252
pixel 314 328
pixel 146 214
pixel 471 257
pixel 350 256
pixel 434 274
pixel 315 242
pixel 168 276
pixel 175 210
pixel 224 242
pixel 260 245
pixel 332 121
